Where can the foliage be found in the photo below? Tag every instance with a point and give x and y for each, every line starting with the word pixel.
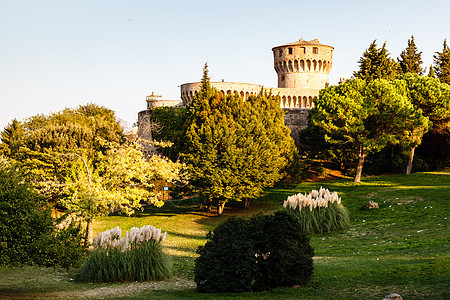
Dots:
pixel 234 148
pixel 430 95
pixel 124 178
pixel 433 99
pixel 256 254
pixel 431 72
pixel 227 261
pixel 410 59
pixel 136 257
pixel 48 144
pixel 376 64
pixel 318 212
pixel 366 115
pixel 171 122
pixel 79 159
pixel 29 234
pixel 11 138
pixel 283 253
pixel 442 64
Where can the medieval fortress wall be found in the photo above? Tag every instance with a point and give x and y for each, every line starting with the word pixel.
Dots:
pixel 302 68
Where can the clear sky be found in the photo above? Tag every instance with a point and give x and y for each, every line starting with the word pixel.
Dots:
pixel 64 53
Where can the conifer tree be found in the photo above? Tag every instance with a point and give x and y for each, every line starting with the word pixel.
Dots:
pixel 376 64
pixel 442 64
pixel 233 148
pixel 431 72
pixel 410 59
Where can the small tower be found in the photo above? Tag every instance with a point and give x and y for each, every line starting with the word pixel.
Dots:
pixel 152 100
pixel 303 65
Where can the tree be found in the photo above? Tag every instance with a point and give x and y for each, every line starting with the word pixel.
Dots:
pixel 45 142
pixel 79 159
pixel 123 178
pixel 442 64
pixel 431 72
pixel 376 64
pixel 365 115
pixel 410 59
pixel 233 148
pixel 433 99
pixel 11 138
pixel 28 231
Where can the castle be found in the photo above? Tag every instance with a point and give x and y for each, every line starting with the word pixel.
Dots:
pixel 302 68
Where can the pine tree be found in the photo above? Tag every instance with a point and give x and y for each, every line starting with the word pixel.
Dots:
pixel 410 59
pixel 376 64
pixel 11 138
pixel 442 64
pixel 431 72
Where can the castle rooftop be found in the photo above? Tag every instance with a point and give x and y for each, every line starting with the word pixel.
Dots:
pixel 303 42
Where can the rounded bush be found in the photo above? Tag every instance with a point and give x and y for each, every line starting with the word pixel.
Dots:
pixel 257 254
pixel 283 254
pixel 227 261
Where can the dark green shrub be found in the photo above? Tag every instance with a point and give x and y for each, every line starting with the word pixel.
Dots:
pixel 28 232
pixel 256 254
pixel 227 261
pixel 283 254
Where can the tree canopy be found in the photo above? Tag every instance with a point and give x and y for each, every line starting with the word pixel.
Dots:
pixel 366 115
pixel 410 60
pixel 235 148
pixel 79 159
pixel 376 64
pixel 442 64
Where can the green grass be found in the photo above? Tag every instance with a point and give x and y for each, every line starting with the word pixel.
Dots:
pixel 402 247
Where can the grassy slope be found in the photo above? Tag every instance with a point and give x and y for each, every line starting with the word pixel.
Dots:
pixel 401 247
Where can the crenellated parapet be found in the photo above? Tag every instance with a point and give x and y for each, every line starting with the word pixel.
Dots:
pixel 302 68
pixel 303 64
pixel 289 98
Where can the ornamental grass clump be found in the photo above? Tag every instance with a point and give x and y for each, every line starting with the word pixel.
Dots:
pixel 136 257
pixel 319 211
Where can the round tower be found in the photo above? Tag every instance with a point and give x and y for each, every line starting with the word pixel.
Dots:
pixel 303 65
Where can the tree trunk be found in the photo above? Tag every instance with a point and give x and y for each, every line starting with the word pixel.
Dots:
pixel 361 157
pixel 220 206
pixel 410 161
pixel 246 203
pixel 88 229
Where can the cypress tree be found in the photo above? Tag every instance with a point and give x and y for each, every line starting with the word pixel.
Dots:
pixel 442 64
pixel 376 64
pixel 410 59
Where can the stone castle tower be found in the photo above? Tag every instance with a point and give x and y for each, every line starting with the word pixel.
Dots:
pixel 303 65
pixel 302 68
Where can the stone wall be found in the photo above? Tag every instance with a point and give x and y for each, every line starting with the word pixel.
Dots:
pixel 296 120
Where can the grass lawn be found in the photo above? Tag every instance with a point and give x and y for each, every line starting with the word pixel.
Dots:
pixel 401 247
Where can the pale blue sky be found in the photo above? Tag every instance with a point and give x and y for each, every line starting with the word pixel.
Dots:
pixel 60 53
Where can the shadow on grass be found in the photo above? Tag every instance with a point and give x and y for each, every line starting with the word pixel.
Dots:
pixel 188 236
